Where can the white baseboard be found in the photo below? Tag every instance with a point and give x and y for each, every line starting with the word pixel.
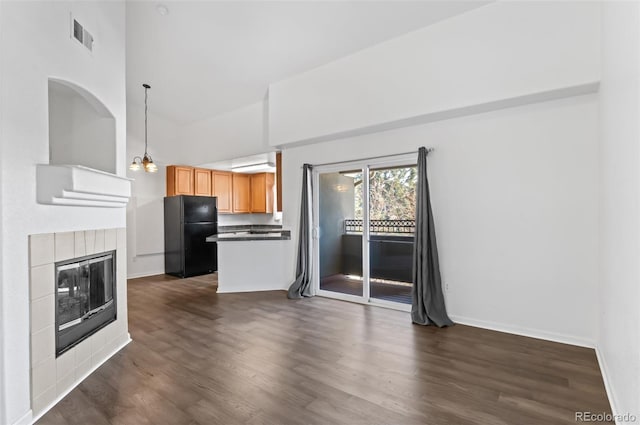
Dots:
pixel 517 330
pixel 607 383
pixel 145 274
pixel 27 419
pixel 77 382
pixel 235 291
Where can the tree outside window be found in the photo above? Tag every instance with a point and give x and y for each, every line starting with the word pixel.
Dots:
pixel 392 194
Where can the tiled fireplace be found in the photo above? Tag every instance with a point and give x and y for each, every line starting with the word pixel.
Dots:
pixel 54 376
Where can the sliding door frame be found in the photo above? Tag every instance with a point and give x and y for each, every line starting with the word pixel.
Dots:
pixel 365 167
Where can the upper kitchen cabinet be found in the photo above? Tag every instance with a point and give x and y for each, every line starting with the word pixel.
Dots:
pixel 222 187
pixel 241 193
pixel 179 180
pixel 202 182
pixel 262 192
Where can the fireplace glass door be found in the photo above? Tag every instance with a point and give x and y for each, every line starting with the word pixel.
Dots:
pixel 85 297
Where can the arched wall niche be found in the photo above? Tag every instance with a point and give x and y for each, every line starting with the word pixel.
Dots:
pixel 82 131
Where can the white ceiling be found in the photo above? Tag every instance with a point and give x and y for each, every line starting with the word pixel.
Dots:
pixel 205 58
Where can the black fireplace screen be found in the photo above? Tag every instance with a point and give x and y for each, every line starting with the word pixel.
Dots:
pixel 85 294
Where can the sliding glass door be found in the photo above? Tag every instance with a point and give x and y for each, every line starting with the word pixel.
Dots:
pixel 339 246
pixel 363 225
pixel 392 206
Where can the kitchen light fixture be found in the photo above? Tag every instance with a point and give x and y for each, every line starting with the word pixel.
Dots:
pixel 146 162
pixel 260 166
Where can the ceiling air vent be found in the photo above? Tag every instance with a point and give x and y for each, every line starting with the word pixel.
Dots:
pixel 81 34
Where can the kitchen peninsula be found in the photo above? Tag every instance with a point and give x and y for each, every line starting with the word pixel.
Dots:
pixel 252 258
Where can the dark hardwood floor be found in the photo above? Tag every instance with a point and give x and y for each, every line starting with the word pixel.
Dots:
pixel 257 358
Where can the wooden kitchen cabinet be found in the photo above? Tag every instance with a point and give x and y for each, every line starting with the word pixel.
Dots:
pixel 201 182
pixel 236 192
pixel 179 180
pixel 222 187
pixel 262 192
pixel 241 192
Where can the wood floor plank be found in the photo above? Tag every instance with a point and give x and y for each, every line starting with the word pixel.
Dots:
pixel 202 358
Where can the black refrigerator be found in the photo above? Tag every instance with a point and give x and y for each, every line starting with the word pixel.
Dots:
pixel 188 220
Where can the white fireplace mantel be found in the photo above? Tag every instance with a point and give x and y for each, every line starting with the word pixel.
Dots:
pixel 77 185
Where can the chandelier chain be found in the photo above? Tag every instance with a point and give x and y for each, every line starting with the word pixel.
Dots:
pixel 145 120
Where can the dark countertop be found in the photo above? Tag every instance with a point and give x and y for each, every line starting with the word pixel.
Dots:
pixel 264 232
pixel 249 228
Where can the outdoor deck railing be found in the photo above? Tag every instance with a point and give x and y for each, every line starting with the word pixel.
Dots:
pixel 381 226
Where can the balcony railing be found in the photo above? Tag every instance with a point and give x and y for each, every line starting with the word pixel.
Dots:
pixel 381 226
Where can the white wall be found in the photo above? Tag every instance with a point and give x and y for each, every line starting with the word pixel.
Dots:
pixel 503 50
pixel 619 296
pixel 2 322
pixel 43 50
pixel 236 219
pixel 266 273
pixel 232 135
pixel 515 195
pixel 80 133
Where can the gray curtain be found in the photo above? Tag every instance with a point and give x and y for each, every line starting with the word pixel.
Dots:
pixel 301 287
pixel 427 298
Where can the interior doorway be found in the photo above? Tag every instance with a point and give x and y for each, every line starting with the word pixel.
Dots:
pixel 364 222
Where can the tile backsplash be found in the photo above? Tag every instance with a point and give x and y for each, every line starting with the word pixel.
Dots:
pixel 235 219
